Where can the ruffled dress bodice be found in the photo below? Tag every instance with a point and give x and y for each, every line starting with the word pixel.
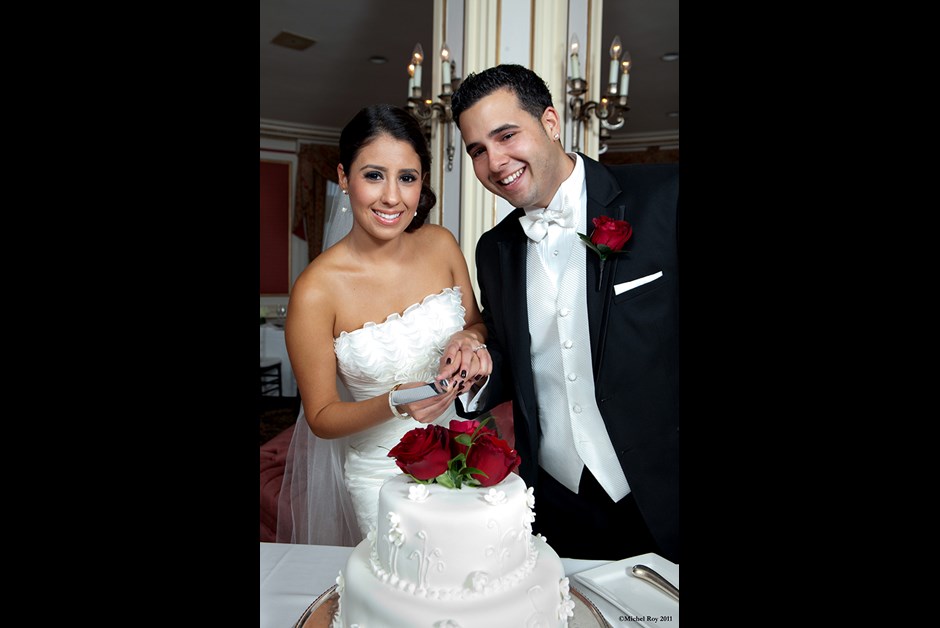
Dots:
pixel 404 347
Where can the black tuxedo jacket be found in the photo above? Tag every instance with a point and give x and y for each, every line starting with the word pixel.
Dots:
pixel 634 335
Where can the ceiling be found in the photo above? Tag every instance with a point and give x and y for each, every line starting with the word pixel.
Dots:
pixel 324 85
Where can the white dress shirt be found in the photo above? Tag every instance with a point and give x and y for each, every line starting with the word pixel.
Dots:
pixel 556 290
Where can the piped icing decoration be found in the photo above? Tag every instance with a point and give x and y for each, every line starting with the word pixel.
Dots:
pixel 507 581
pixel 418 492
pixel 340 588
pixel 494 497
pixel 396 537
pixel 425 559
pixel 566 608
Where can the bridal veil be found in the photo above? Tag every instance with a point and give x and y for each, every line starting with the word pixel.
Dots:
pixel 314 506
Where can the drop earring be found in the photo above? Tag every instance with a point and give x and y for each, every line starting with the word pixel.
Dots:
pixel 342 205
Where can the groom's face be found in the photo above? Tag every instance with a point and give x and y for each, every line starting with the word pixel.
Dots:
pixel 513 153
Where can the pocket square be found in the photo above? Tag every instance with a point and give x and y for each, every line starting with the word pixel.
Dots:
pixel 620 288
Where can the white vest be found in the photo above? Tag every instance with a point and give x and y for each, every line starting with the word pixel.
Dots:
pixel 573 431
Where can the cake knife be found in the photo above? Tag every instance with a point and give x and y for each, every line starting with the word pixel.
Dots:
pixel 649 575
pixel 634 617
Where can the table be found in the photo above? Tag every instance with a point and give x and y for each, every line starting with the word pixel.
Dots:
pixel 273 345
pixel 293 576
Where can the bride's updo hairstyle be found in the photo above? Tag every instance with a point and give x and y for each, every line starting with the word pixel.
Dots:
pixel 395 122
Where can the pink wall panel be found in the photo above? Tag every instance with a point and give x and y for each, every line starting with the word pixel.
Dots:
pixel 275 228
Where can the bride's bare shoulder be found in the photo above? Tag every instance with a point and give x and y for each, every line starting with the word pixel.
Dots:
pixel 318 283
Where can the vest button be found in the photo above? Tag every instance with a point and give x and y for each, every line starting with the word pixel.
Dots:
pixel 577 409
pixel 572 376
pixel 564 311
pixel 568 344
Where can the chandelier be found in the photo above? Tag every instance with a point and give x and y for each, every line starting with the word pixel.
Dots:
pixel 613 104
pixel 426 110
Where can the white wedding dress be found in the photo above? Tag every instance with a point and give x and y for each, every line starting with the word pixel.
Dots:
pixel 370 361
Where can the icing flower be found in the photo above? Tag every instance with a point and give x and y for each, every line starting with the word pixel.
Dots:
pixel 608 237
pixel 566 608
pixel 465 453
pixel 396 536
pixel 495 497
pixel 418 492
pixel 479 580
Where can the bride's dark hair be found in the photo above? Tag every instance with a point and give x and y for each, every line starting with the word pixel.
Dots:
pixel 376 120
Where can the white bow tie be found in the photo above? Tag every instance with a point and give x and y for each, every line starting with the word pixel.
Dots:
pixel 535 224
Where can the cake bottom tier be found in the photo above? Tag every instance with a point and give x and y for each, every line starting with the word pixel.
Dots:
pixel 540 600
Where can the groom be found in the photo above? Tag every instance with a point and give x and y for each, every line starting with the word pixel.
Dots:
pixel 589 358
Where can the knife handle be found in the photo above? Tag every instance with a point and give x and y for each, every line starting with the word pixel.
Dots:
pixel 645 573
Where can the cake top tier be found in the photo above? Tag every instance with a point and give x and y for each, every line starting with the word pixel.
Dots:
pixel 454 542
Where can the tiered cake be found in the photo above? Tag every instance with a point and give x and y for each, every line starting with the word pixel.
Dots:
pixel 453 558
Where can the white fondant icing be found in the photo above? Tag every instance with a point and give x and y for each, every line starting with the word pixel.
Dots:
pixel 496 572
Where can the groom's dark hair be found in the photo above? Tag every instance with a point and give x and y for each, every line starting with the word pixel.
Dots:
pixel 529 88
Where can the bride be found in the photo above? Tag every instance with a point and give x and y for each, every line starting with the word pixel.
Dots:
pixel 389 305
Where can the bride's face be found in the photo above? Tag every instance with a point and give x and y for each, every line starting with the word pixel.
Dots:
pixel 384 183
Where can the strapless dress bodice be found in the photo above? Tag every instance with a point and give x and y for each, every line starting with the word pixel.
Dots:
pixel 404 347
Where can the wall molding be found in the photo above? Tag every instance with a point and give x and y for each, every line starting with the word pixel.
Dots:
pixel 300 132
pixel 643 141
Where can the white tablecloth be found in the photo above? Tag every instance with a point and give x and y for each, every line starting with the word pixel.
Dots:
pixel 274 346
pixel 293 576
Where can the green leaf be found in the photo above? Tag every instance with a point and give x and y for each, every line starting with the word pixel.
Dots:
pixel 464 439
pixel 604 250
pixel 475 471
pixel 444 479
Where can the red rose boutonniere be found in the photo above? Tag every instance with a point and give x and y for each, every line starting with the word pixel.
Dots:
pixel 608 238
pixel 466 453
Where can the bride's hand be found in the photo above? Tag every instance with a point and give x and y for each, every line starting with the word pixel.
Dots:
pixel 465 360
pixel 427 410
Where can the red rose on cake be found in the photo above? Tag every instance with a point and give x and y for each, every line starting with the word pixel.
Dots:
pixel 466 453
pixel 458 427
pixel 494 457
pixel 423 453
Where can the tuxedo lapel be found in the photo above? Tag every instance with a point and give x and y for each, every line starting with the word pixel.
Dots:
pixel 512 262
pixel 602 189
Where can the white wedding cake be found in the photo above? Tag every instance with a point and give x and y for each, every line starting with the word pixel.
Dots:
pixel 453 558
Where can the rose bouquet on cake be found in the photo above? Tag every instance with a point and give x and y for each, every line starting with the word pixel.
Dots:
pixel 467 453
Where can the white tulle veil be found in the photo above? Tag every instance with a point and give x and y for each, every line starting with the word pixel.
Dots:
pixel 314 506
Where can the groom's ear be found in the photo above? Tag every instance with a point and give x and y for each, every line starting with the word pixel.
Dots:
pixel 551 121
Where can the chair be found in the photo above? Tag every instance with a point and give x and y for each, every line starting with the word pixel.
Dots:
pixel 270 376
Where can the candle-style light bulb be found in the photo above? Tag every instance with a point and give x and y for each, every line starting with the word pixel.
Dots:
pixel 445 64
pixel 615 51
pixel 574 67
pixel 625 76
pixel 416 58
pixel 411 79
